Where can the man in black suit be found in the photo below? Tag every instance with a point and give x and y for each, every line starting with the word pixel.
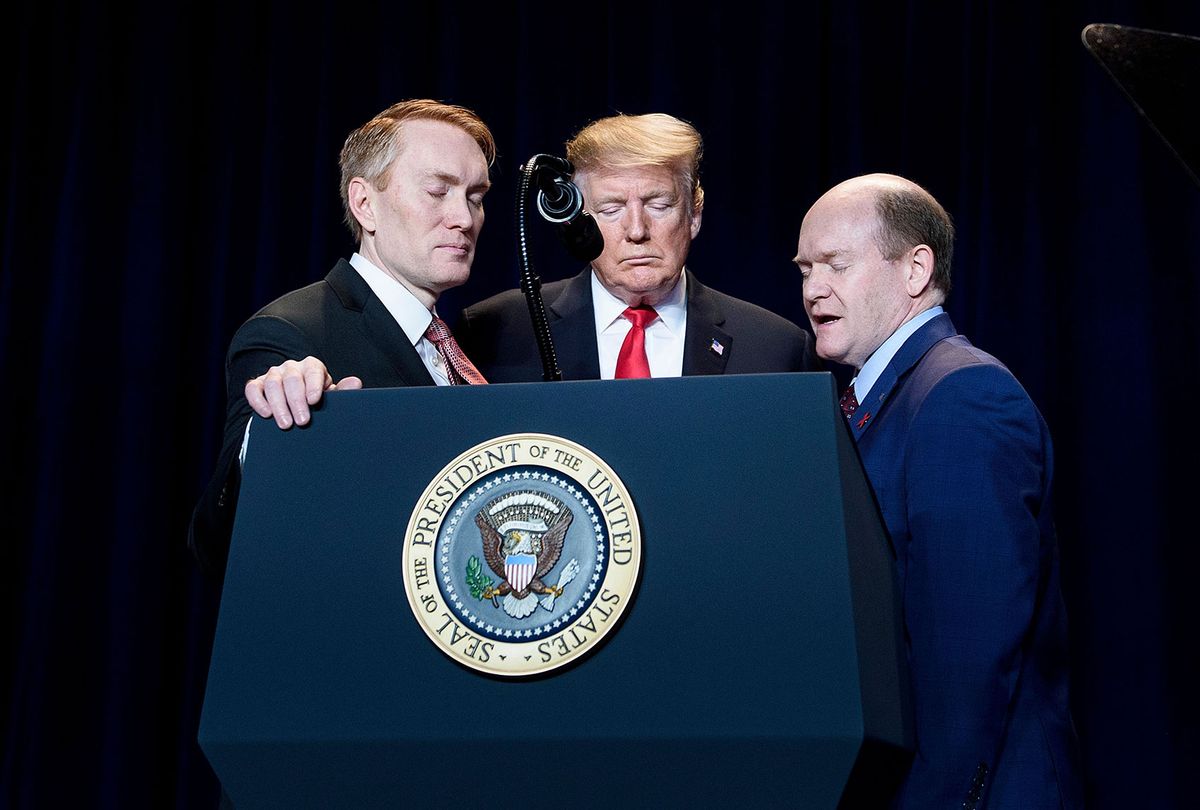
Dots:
pixel 637 311
pixel 413 182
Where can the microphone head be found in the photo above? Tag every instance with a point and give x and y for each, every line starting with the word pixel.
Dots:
pixel 581 237
pixel 561 204
pixel 557 165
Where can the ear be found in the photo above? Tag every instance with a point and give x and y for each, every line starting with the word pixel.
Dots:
pixel 696 217
pixel 362 203
pixel 919 277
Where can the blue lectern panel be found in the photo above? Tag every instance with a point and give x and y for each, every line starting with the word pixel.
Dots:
pixel 734 674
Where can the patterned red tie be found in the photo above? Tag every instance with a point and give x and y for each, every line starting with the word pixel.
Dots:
pixel 848 402
pixel 632 361
pixel 459 369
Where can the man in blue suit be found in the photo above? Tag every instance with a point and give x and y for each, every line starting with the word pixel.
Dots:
pixel 960 461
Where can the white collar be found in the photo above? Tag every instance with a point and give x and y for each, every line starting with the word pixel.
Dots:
pixel 672 310
pixel 868 375
pixel 410 313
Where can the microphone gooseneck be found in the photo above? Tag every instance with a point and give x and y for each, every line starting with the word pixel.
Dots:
pixel 559 202
pixel 531 285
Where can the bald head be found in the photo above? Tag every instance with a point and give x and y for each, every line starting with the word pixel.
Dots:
pixel 906 216
pixel 874 252
pixel 872 184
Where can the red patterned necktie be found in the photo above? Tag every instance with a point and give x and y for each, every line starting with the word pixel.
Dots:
pixel 459 369
pixel 632 361
pixel 848 402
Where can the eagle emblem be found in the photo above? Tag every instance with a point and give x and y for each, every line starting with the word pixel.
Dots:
pixel 522 534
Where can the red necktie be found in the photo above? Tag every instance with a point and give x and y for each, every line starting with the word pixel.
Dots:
pixel 848 402
pixel 632 361
pixel 459 369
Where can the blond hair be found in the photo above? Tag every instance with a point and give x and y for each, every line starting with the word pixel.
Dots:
pixel 371 149
pixel 633 141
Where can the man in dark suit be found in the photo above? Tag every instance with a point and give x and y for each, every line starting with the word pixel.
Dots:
pixel 413 181
pixel 961 463
pixel 636 312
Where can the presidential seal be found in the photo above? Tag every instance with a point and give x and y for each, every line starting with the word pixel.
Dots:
pixel 522 554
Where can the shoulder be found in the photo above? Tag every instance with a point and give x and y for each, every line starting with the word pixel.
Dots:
pixel 761 318
pixel 500 305
pixel 954 366
pixel 298 319
pixel 965 395
pixel 502 317
pixel 512 303
pixel 302 304
pixel 342 293
pixel 738 312
pixel 755 326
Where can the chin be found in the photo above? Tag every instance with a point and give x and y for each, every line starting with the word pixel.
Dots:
pixel 651 279
pixel 454 277
pixel 830 354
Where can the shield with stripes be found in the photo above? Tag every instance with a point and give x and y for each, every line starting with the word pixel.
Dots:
pixel 518 570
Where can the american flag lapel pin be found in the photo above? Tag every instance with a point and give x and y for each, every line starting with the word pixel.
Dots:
pixel 716 348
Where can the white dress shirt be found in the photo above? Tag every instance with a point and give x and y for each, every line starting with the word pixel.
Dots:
pixel 868 375
pixel 664 335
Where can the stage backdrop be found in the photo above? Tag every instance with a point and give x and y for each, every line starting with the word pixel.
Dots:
pixel 168 168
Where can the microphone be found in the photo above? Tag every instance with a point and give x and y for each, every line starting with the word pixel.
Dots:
pixel 559 201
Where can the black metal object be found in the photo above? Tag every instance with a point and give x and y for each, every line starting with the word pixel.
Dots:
pixel 531 285
pixel 1160 73
pixel 559 202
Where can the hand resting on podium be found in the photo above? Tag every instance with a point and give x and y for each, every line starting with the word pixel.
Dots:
pixel 286 392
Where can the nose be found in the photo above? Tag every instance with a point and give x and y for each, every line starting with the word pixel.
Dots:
pixel 814 286
pixel 458 212
pixel 637 228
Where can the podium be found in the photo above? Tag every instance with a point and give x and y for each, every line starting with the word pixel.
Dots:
pixel 758 661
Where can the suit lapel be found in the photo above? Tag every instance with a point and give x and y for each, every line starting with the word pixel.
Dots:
pixel 706 346
pixel 573 327
pixel 902 362
pixel 379 326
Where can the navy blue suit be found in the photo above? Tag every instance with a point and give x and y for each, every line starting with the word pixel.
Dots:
pixel 961 464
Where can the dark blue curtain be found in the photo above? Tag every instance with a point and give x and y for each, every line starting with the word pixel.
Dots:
pixel 169 168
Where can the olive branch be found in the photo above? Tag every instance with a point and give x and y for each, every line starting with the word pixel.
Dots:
pixel 477 582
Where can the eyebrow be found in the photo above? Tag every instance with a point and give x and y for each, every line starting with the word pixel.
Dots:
pixel 453 179
pixel 823 258
pixel 655 194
